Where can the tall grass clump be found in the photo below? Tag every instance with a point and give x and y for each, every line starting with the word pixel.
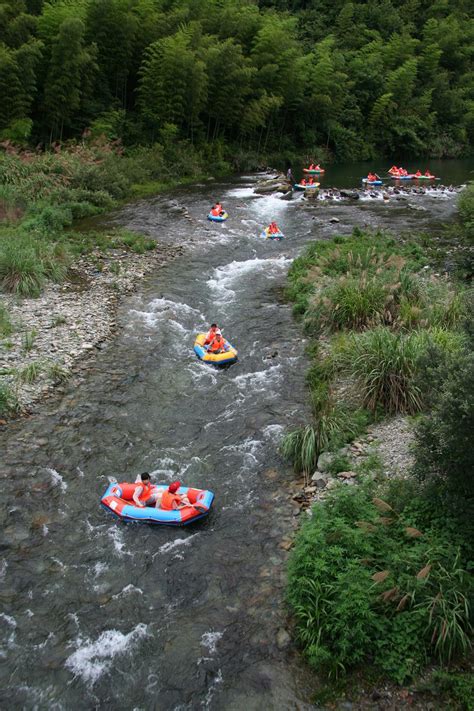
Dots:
pixel 9 404
pixel 27 262
pixel 6 327
pixel 331 425
pixel 20 270
pixel 385 365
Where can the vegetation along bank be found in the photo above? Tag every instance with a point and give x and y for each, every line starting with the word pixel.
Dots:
pixel 380 578
pixel 59 283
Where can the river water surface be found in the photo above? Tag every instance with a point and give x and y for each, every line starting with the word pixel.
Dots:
pixel 98 613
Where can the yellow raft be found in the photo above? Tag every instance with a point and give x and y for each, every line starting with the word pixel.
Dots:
pixel 226 358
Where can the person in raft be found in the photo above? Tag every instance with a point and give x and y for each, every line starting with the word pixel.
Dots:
pixel 418 173
pixel 303 181
pixel 171 500
pixel 218 345
pixel 273 228
pixel 216 210
pixel 212 333
pixel 146 494
pixel 372 177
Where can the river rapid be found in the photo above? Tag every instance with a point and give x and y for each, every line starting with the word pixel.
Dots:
pixel 97 613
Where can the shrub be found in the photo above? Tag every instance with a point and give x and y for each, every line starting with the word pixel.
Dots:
pixel 366 584
pixel 444 436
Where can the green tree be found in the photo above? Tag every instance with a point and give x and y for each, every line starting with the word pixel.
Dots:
pixel 69 61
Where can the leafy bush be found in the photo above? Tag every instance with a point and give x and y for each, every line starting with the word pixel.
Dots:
pixel 444 436
pixel 366 584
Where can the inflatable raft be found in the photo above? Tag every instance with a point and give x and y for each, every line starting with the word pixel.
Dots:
pixel 366 181
pixel 312 171
pixel 410 176
pixel 426 177
pixel 298 186
pixel 226 358
pixel 265 234
pixel 218 218
pixel 118 499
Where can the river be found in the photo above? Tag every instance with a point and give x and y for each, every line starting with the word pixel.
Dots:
pixel 98 613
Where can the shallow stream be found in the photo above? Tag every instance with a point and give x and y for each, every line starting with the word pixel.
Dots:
pixel 98 613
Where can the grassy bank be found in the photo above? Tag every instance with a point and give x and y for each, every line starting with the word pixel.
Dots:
pixel 42 195
pixel 380 574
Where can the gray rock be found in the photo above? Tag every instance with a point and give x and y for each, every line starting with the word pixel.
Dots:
pixel 283 639
pixel 324 461
pixel 334 219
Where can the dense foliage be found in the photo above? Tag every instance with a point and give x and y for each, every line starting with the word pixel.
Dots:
pixel 379 576
pixel 379 313
pixel 357 78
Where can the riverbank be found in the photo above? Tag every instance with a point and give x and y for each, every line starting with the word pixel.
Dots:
pixel 61 282
pixel 373 558
pixel 50 337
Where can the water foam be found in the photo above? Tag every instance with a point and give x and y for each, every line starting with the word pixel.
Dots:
pixel 178 543
pixel 93 659
pixel 259 380
pixel 128 590
pixel 209 640
pixel 57 479
pixel 241 193
pixel 226 277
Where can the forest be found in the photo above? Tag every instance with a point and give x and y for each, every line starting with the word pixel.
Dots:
pixel 357 79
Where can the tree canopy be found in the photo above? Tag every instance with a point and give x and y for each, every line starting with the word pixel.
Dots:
pixel 359 77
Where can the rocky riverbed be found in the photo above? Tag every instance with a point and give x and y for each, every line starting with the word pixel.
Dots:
pixel 55 333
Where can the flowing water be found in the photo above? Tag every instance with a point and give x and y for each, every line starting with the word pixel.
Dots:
pixel 99 613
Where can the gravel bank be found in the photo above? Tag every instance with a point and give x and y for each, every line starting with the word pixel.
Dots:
pixel 70 321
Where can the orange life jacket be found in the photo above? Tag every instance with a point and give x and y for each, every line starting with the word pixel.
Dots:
pixel 210 336
pixel 168 499
pixel 216 345
pixel 418 173
pixel 128 490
